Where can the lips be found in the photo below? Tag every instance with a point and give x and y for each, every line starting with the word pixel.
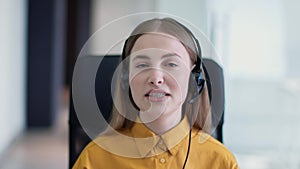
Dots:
pixel 157 95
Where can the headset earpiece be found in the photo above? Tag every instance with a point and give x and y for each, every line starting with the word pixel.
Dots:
pixel 197 71
pixel 200 81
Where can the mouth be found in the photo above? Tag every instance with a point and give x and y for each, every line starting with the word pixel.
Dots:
pixel 157 95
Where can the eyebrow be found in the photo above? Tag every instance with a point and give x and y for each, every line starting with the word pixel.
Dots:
pixel 170 55
pixel 141 57
pixel 148 58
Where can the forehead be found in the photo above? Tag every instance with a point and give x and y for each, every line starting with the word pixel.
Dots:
pixel 160 41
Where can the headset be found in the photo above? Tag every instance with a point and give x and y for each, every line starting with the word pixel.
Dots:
pixel 197 73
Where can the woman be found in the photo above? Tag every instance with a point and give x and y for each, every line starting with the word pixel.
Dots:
pixel 161 116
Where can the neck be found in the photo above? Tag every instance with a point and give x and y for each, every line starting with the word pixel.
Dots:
pixel 165 122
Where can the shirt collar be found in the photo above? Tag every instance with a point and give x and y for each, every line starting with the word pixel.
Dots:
pixel 149 144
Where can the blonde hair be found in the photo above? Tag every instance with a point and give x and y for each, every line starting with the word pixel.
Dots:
pixel 202 114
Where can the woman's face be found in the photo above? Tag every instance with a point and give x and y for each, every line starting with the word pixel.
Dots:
pixel 159 69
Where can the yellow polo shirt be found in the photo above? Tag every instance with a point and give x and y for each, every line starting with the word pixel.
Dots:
pixel 140 148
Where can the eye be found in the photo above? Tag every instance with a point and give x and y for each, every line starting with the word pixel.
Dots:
pixel 172 64
pixel 142 65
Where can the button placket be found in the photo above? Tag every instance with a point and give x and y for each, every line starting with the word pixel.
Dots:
pixel 162 160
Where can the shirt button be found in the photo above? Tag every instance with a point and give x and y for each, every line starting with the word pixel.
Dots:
pixel 162 160
pixel 160 142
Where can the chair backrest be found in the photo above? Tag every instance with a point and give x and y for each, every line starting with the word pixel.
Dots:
pixel 78 138
pixel 216 76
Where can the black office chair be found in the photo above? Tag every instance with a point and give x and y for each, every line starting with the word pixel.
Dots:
pixel 78 138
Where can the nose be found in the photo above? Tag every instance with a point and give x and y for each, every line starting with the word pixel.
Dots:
pixel 156 77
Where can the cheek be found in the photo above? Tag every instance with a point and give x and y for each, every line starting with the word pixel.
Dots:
pixel 136 86
pixel 180 85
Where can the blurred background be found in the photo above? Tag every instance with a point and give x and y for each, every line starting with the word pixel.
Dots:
pixel 258 42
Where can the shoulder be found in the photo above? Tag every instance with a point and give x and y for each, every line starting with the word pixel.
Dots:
pixel 214 150
pixel 89 157
pixel 83 159
pixel 97 146
pixel 112 145
pixel 91 148
pixel 101 144
pixel 211 143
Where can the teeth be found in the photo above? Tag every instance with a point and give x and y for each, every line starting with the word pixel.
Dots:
pixel 157 94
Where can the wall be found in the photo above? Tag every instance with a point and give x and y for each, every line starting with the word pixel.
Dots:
pixel 263 89
pixel 12 69
pixel 194 11
pixel 106 13
pixel 106 26
pixel 292 38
